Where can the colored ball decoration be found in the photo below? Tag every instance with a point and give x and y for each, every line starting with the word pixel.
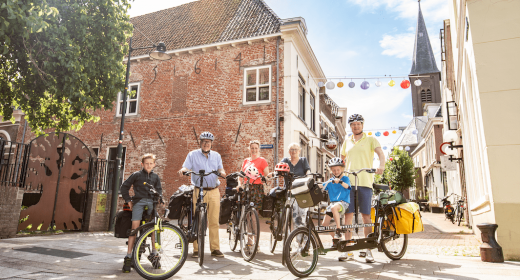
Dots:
pixel 330 85
pixel 386 133
pixel 351 85
pixel 394 132
pixel 378 134
pixel 370 133
pixel 391 159
pixel 378 83
pixel 407 148
pixel 340 84
pixel 391 83
pixel 417 83
pixel 401 148
pixel 384 148
pixel 415 131
pixel 365 85
pixel 321 84
pixel 405 84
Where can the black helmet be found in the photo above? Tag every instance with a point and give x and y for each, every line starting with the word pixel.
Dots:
pixel 336 162
pixel 206 135
pixel 356 118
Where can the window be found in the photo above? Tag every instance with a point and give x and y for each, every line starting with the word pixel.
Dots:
pixel 257 83
pixel 319 163
pixel 313 112
pixel 96 151
pixel 426 96
pixel 112 154
pixel 305 148
pixel 132 100
pixel 301 98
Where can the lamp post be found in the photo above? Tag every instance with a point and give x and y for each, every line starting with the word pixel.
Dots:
pixel 159 54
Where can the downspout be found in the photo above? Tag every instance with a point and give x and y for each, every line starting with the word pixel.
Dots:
pixel 277 99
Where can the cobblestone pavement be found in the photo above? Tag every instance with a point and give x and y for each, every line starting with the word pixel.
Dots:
pixel 433 254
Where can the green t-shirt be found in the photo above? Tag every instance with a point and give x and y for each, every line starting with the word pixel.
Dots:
pixel 360 155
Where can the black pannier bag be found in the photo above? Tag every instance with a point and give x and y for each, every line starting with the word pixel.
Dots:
pixel 123 224
pixel 180 198
pixel 307 193
pixel 267 206
pixel 225 210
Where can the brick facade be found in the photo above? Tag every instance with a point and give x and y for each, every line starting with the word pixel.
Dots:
pixel 10 206
pixel 180 99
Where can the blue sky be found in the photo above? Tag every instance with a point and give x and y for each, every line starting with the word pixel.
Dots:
pixel 358 38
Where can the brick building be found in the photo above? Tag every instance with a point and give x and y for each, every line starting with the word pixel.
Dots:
pixel 232 63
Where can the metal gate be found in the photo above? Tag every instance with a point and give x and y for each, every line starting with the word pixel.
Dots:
pixel 58 169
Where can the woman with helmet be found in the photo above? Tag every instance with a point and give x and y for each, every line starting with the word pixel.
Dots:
pixel 299 166
pixel 358 152
pixel 205 159
pixel 254 166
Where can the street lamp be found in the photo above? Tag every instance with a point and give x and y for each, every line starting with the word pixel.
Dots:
pixel 159 54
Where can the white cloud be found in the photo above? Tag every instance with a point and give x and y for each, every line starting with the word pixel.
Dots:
pixel 400 45
pixel 406 116
pixel 434 10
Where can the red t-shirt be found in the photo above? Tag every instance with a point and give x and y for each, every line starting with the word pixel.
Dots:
pixel 260 163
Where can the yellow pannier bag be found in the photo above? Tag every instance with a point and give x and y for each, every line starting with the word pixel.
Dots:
pixel 407 218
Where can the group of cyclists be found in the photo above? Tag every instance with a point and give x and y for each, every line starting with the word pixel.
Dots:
pixel 357 152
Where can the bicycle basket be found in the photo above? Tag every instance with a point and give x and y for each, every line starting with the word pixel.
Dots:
pixel 307 193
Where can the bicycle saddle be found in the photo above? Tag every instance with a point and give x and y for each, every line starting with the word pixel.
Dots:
pixel 380 187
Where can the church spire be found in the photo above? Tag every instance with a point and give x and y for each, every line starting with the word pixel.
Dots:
pixel 423 57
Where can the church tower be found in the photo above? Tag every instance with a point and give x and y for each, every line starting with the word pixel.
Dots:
pixel 425 69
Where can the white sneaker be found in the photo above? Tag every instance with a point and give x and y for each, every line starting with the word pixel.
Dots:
pixel 346 256
pixel 369 258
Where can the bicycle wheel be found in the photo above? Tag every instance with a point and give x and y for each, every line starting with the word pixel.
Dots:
pixel 249 234
pixel 172 249
pixel 394 245
pixel 201 235
pixel 183 221
pixel 233 231
pixel 461 215
pixel 286 230
pixel 300 263
pixel 274 227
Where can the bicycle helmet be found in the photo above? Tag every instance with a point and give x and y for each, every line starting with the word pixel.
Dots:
pixel 356 118
pixel 336 162
pixel 206 135
pixel 252 173
pixel 282 167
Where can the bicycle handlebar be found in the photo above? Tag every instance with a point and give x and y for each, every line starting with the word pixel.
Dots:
pixel 202 173
pixel 368 170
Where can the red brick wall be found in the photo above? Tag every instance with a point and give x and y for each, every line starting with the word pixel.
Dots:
pixel 179 99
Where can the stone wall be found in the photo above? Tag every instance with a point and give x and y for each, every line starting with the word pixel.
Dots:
pixel 97 220
pixel 10 207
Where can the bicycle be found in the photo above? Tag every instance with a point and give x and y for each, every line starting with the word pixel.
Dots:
pixel 459 210
pixel 244 224
pixel 304 244
pixel 169 241
pixel 195 223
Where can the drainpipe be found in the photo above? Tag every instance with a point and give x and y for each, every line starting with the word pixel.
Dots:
pixel 277 99
pixel 20 152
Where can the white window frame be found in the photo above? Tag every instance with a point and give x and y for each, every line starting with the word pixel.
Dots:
pixel 257 86
pixel 312 111
pixel 120 102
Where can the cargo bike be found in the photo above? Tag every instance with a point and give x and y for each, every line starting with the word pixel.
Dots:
pixel 303 245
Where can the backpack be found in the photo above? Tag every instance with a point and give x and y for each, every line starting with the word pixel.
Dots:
pixel 391 197
pixel 267 206
pixel 225 210
pixel 123 224
pixel 179 199
pixel 407 218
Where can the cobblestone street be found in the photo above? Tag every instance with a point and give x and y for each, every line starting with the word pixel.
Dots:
pixel 435 253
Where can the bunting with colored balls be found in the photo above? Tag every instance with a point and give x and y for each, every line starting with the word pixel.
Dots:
pixel 365 85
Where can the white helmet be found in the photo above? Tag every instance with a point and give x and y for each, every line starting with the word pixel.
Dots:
pixel 206 135
pixel 252 172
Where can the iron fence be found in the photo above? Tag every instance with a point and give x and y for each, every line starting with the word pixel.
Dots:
pixel 13 163
pixel 101 175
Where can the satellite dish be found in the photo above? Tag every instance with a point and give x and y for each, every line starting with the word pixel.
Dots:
pixel 331 145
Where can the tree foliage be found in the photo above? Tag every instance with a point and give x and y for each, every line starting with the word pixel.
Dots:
pixel 60 60
pixel 399 172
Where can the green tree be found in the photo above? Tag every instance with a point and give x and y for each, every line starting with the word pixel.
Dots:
pixel 399 172
pixel 60 60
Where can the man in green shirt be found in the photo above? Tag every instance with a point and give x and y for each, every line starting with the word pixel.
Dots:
pixel 358 152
